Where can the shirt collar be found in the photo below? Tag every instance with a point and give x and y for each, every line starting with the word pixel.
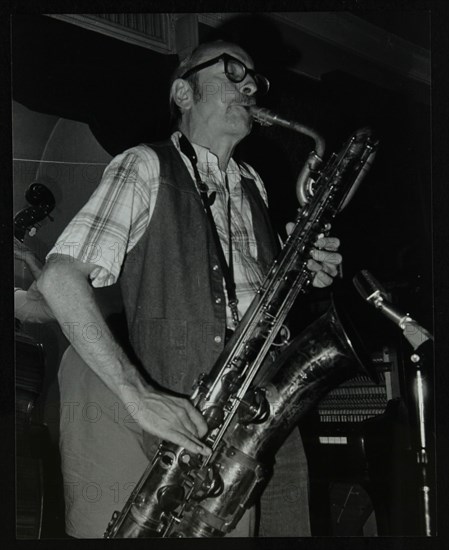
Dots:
pixel 208 162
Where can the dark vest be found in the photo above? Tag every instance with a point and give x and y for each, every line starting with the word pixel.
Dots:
pixel 172 282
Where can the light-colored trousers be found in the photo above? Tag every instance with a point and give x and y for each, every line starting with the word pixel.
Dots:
pixel 104 453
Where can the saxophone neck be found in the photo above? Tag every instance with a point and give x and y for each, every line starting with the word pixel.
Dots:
pixel 265 117
pixel 305 180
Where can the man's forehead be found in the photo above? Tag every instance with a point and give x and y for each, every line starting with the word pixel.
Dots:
pixel 231 49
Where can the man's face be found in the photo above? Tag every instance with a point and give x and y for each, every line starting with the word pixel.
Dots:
pixel 220 107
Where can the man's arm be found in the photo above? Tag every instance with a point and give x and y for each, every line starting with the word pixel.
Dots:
pixel 64 282
pixel 30 306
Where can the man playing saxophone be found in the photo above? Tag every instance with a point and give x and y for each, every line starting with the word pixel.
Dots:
pixel 185 280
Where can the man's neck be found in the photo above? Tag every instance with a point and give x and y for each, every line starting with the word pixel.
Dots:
pixel 222 147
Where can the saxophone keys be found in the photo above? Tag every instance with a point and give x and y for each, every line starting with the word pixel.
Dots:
pixel 284 334
pixel 170 497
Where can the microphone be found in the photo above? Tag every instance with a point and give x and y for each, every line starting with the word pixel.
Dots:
pixel 373 292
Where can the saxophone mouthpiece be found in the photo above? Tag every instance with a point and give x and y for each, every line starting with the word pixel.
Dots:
pixel 265 117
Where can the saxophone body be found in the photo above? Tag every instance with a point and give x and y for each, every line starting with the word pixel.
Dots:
pixel 251 402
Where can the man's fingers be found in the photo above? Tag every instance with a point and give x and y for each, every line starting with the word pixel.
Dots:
pixel 184 418
pixel 326 256
pixel 313 266
pixel 328 243
pixel 322 279
pixel 175 419
pixel 325 243
pixel 189 418
pixel 189 443
pixel 330 269
pixel 197 419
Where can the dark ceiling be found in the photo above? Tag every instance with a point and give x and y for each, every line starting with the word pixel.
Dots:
pixel 410 25
pixel 82 75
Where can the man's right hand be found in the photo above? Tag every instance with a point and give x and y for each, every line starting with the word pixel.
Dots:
pixel 173 419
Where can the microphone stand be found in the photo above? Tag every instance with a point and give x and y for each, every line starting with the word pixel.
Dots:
pixel 417 336
pixel 417 359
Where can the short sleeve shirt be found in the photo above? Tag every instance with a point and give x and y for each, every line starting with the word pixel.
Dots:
pixel 119 211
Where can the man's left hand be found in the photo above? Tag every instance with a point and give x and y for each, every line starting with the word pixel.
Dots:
pixel 324 260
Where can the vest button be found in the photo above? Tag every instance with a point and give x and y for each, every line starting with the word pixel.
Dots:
pixel 218 300
pixel 215 267
pixel 217 339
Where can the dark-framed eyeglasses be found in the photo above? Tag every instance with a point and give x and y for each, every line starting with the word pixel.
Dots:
pixel 235 70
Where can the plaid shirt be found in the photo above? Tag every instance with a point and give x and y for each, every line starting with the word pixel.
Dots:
pixel 119 211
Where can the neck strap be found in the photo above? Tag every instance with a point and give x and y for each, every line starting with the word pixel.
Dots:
pixel 226 267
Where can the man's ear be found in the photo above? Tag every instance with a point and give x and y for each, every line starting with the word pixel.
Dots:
pixel 182 94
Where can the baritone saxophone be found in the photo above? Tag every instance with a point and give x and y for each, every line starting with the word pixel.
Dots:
pixel 250 403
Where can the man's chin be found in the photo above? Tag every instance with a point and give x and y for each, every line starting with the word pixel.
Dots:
pixel 242 107
pixel 243 128
pixel 244 117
